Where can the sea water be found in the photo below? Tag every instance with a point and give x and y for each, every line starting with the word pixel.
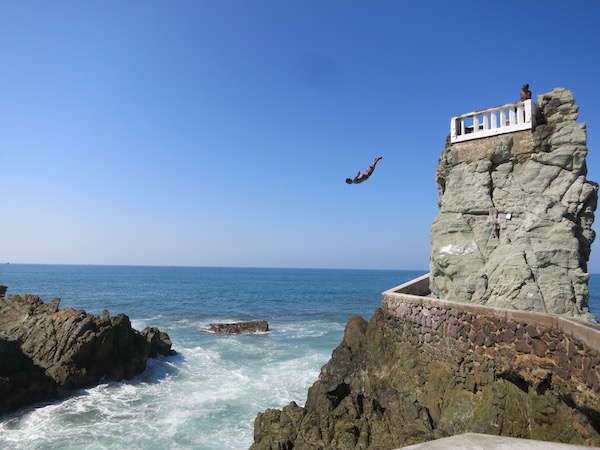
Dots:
pixel 208 395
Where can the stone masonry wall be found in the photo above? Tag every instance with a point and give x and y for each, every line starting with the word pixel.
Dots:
pixel 532 350
pixel 523 145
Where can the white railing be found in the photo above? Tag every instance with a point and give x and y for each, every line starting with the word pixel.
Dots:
pixel 490 122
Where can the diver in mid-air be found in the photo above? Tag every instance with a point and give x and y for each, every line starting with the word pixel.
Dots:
pixel 360 177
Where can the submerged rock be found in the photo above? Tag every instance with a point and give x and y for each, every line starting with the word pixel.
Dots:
pixel 254 326
pixel 46 353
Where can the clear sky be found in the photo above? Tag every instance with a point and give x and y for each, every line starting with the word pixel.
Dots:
pixel 220 132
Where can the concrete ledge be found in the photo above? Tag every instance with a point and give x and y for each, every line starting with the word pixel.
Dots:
pixel 474 441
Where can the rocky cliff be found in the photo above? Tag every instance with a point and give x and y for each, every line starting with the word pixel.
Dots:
pixel 46 353
pixel 515 216
pixel 417 372
pixel 514 231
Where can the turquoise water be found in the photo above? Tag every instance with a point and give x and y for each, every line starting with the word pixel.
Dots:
pixel 208 395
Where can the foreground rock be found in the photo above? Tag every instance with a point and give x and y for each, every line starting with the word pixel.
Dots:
pixel 254 326
pixel 514 228
pixel 46 353
pixel 385 388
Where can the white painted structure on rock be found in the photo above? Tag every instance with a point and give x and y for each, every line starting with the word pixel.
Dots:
pixel 492 121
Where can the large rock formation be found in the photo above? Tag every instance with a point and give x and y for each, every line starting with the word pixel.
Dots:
pixel 515 216
pixel 406 377
pixel 514 231
pixel 46 353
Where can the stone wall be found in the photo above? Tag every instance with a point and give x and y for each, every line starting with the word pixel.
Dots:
pixel 523 145
pixel 528 347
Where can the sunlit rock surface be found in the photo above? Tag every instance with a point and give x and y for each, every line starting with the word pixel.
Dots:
pixel 514 227
pixel 47 353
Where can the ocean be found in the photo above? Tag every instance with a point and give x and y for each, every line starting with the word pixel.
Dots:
pixel 208 395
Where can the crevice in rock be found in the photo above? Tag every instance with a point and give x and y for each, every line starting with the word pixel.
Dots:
pixel 338 394
pixel 360 399
pixel 544 385
pixel 535 281
pixel 377 407
pixel 593 416
pixel 515 379
pixel 288 445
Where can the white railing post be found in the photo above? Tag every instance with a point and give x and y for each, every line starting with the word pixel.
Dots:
pixel 527 108
pixel 511 116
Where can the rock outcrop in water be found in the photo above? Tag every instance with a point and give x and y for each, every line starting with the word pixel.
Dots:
pixel 514 231
pixel 249 327
pixel 514 228
pixel 46 353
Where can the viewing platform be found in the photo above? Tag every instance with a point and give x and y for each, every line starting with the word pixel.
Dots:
pixel 493 121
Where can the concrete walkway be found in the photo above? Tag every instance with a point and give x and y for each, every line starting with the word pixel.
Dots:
pixel 474 441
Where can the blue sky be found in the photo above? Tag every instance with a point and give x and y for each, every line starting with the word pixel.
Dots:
pixel 219 133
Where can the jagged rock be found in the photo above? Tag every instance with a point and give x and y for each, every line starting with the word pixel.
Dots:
pixel 254 326
pixel 353 405
pixel 21 381
pixel 57 351
pixel 514 228
pixel 384 388
pixel 160 342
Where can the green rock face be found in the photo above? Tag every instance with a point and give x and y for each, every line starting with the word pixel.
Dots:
pixel 384 388
pixel 514 227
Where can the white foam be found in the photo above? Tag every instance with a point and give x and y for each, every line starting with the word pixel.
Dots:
pixel 205 397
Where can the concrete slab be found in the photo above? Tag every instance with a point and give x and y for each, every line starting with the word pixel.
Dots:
pixel 474 441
